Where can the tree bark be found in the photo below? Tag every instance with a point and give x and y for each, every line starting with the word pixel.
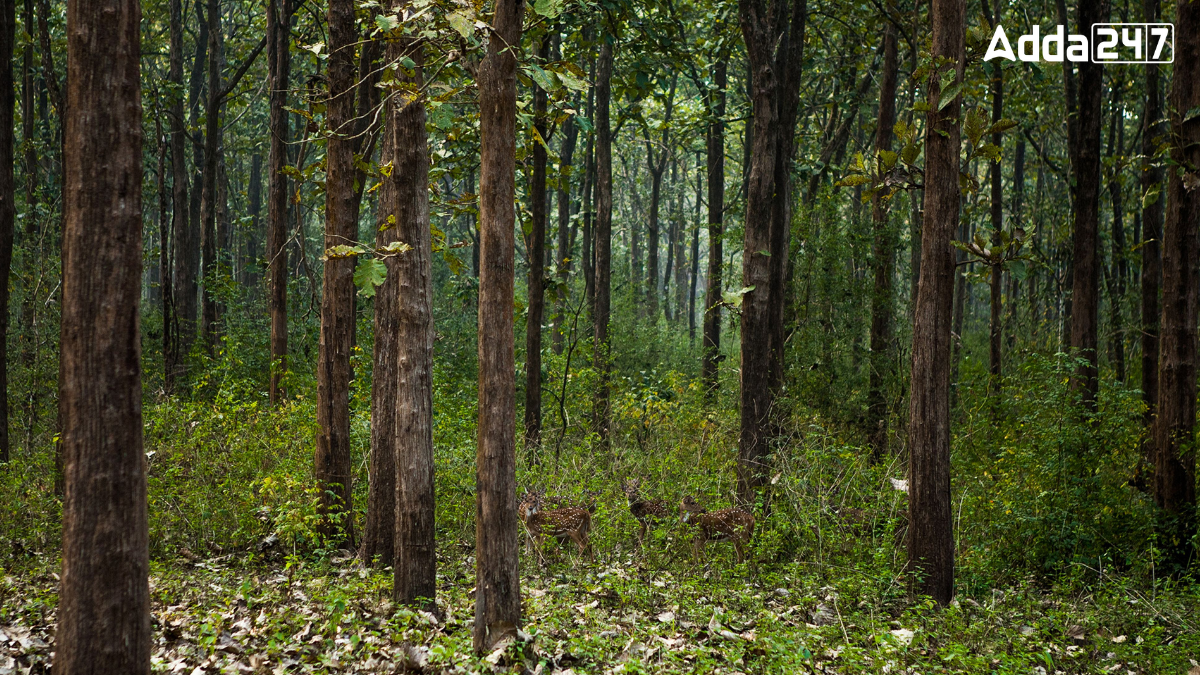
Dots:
pixel 656 167
pixel 415 565
pixel 694 259
pixel 497 583
pixel 566 154
pixel 763 28
pixel 996 321
pixel 536 277
pixel 104 596
pixel 1116 276
pixel 589 206
pixel 601 411
pixel 930 532
pixel 279 64
pixel 1085 291
pixel 1175 465
pixel 8 95
pixel 1151 259
pixel 187 236
pixel 209 240
pixel 333 460
pixel 884 255
pixel 250 262
pixel 715 161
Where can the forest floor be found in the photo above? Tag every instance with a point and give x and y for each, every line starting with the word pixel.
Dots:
pixel 626 614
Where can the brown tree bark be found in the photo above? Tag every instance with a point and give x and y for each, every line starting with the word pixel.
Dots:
pixel 766 212
pixel 656 162
pixel 104 596
pixel 209 198
pixel 1151 259
pixel 333 460
pixel 1115 279
pixel 1175 465
pixel 497 582
pixel 250 259
pixel 679 242
pixel 279 65
pixel 566 154
pixel 884 258
pixel 1085 291
pixel 8 96
pixel 996 321
pixel 930 532
pixel 601 410
pixel 589 189
pixel 415 566
pixel 179 187
pixel 379 530
pixel 694 258
pixel 715 162
pixel 537 272
pixel 187 237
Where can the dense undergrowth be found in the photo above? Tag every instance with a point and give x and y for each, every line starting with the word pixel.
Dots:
pixel 1057 561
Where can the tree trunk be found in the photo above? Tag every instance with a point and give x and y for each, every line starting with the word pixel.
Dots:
pixel 209 244
pixel 104 595
pixel 187 237
pixel 884 254
pixel 930 532
pixel 536 256
pixel 8 195
pixel 652 281
pixel 1152 217
pixel 164 257
pixel 1085 291
pixel 333 461
pixel 996 321
pixel 1175 465
pixel 589 210
pixel 1116 278
pixel 566 153
pixel 694 260
pixel 763 29
pixel 601 412
pixel 415 563
pixel 679 242
pixel 715 160
pixel 497 582
pixel 279 64
pixel 250 276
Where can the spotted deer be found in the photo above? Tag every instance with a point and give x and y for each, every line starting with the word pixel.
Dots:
pixel 642 509
pixel 733 525
pixel 570 523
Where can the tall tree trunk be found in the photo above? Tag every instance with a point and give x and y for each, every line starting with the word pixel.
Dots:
pixel 680 239
pixel 8 195
pixel 763 28
pixel 104 595
pixel 416 563
pixel 1175 465
pixel 1116 278
pixel 930 532
pixel 566 154
pixel 715 161
pixel 279 64
pixel 1085 291
pixel 250 277
pixel 652 281
pixel 333 459
pixel 884 254
pixel 996 321
pixel 209 201
pixel 164 255
pixel 188 245
pixel 1151 259
pixel 497 585
pixel 601 411
pixel 537 272
pixel 694 260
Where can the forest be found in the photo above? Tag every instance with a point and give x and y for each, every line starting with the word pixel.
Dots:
pixel 599 336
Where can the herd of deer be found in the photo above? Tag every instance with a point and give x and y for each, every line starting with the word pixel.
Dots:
pixel 574 523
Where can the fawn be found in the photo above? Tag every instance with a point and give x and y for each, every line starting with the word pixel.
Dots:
pixel 570 523
pixel 642 509
pixel 733 525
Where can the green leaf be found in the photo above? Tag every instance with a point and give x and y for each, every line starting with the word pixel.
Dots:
pixel 462 24
pixel 396 247
pixel 542 78
pixel 852 180
pixel 342 251
pixel 1018 270
pixel 548 8
pixel 369 275
pixel 734 298
pixel 949 95
pixel 1002 126
pixel 910 153
pixel 889 158
pixel 387 22
pixel 990 151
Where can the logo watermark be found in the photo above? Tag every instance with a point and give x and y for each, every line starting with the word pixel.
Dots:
pixel 1108 43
